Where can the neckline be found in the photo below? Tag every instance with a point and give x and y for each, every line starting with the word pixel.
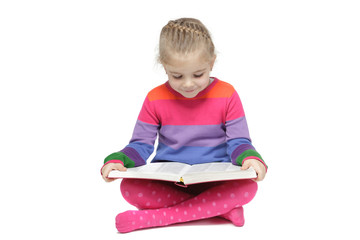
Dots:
pixel 200 94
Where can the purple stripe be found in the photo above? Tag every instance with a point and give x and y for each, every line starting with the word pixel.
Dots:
pixel 144 133
pixel 239 150
pixel 192 135
pixel 237 128
pixel 133 155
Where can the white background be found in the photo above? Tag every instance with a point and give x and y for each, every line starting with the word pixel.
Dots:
pixel 75 73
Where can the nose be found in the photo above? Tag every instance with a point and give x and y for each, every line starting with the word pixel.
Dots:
pixel 188 83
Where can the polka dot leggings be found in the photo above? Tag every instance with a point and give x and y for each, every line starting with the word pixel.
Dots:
pixel 163 203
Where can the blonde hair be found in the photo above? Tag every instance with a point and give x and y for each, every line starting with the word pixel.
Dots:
pixel 183 36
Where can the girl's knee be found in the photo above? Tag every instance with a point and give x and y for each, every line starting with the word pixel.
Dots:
pixel 251 185
pixel 246 183
pixel 129 185
pixel 247 189
pixel 125 187
pixel 242 189
pixel 134 191
pixel 126 184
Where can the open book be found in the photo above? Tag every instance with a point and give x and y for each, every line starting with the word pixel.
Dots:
pixel 185 174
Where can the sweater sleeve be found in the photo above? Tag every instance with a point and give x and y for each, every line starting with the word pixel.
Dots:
pixel 238 140
pixel 141 145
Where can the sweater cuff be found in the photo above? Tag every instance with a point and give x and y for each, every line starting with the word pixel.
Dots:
pixel 127 162
pixel 249 154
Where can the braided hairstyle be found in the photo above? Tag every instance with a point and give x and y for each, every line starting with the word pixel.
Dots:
pixel 183 36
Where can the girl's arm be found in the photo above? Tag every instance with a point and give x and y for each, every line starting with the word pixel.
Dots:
pixel 141 145
pixel 240 148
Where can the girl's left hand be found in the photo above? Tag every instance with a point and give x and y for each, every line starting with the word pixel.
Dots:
pixel 258 167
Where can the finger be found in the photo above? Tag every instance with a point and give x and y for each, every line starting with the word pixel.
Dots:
pixel 120 168
pixel 246 165
pixel 110 179
pixel 261 176
pixel 106 179
pixel 106 173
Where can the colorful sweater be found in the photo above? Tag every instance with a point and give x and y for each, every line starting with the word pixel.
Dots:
pixel 210 127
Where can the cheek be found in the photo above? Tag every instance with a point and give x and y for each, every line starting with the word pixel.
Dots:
pixel 204 82
pixel 174 84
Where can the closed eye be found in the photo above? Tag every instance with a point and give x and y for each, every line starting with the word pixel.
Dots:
pixel 198 75
pixel 177 76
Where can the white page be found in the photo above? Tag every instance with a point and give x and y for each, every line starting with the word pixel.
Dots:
pixel 172 171
pixel 175 168
pixel 163 170
pixel 216 171
pixel 213 167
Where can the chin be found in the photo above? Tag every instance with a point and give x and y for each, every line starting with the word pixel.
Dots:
pixel 189 95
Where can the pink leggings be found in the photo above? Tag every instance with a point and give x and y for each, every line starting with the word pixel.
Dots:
pixel 163 203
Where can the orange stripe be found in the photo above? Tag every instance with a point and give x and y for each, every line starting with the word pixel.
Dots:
pixel 160 93
pixel 220 90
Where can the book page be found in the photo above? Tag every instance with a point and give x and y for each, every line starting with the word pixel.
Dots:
pixel 171 171
pixel 217 171
pixel 212 167
pixel 173 168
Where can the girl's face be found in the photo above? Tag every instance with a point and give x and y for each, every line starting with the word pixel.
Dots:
pixel 189 74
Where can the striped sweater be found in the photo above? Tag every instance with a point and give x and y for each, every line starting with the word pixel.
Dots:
pixel 210 127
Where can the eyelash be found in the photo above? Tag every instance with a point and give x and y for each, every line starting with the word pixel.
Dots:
pixel 196 76
pixel 199 75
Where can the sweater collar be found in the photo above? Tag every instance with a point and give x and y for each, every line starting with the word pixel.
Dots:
pixel 200 94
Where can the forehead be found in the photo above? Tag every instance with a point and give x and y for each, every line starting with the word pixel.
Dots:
pixel 190 62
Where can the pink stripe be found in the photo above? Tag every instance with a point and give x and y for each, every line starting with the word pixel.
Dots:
pixel 147 113
pixel 196 111
pixel 235 109
pixel 247 158
pixel 207 111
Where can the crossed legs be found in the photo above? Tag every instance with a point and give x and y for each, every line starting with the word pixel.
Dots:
pixel 163 203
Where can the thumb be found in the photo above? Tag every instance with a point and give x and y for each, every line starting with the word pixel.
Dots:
pixel 119 167
pixel 245 165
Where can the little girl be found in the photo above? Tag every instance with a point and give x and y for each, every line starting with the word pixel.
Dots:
pixel 198 119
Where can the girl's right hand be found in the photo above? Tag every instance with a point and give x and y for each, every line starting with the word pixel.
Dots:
pixel 108 168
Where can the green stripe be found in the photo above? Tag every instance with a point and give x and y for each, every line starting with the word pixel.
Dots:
pixel 247 153
pixel 128 163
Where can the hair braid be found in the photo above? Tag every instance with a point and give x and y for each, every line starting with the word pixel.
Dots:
pixel 189 27
pixel 184 35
